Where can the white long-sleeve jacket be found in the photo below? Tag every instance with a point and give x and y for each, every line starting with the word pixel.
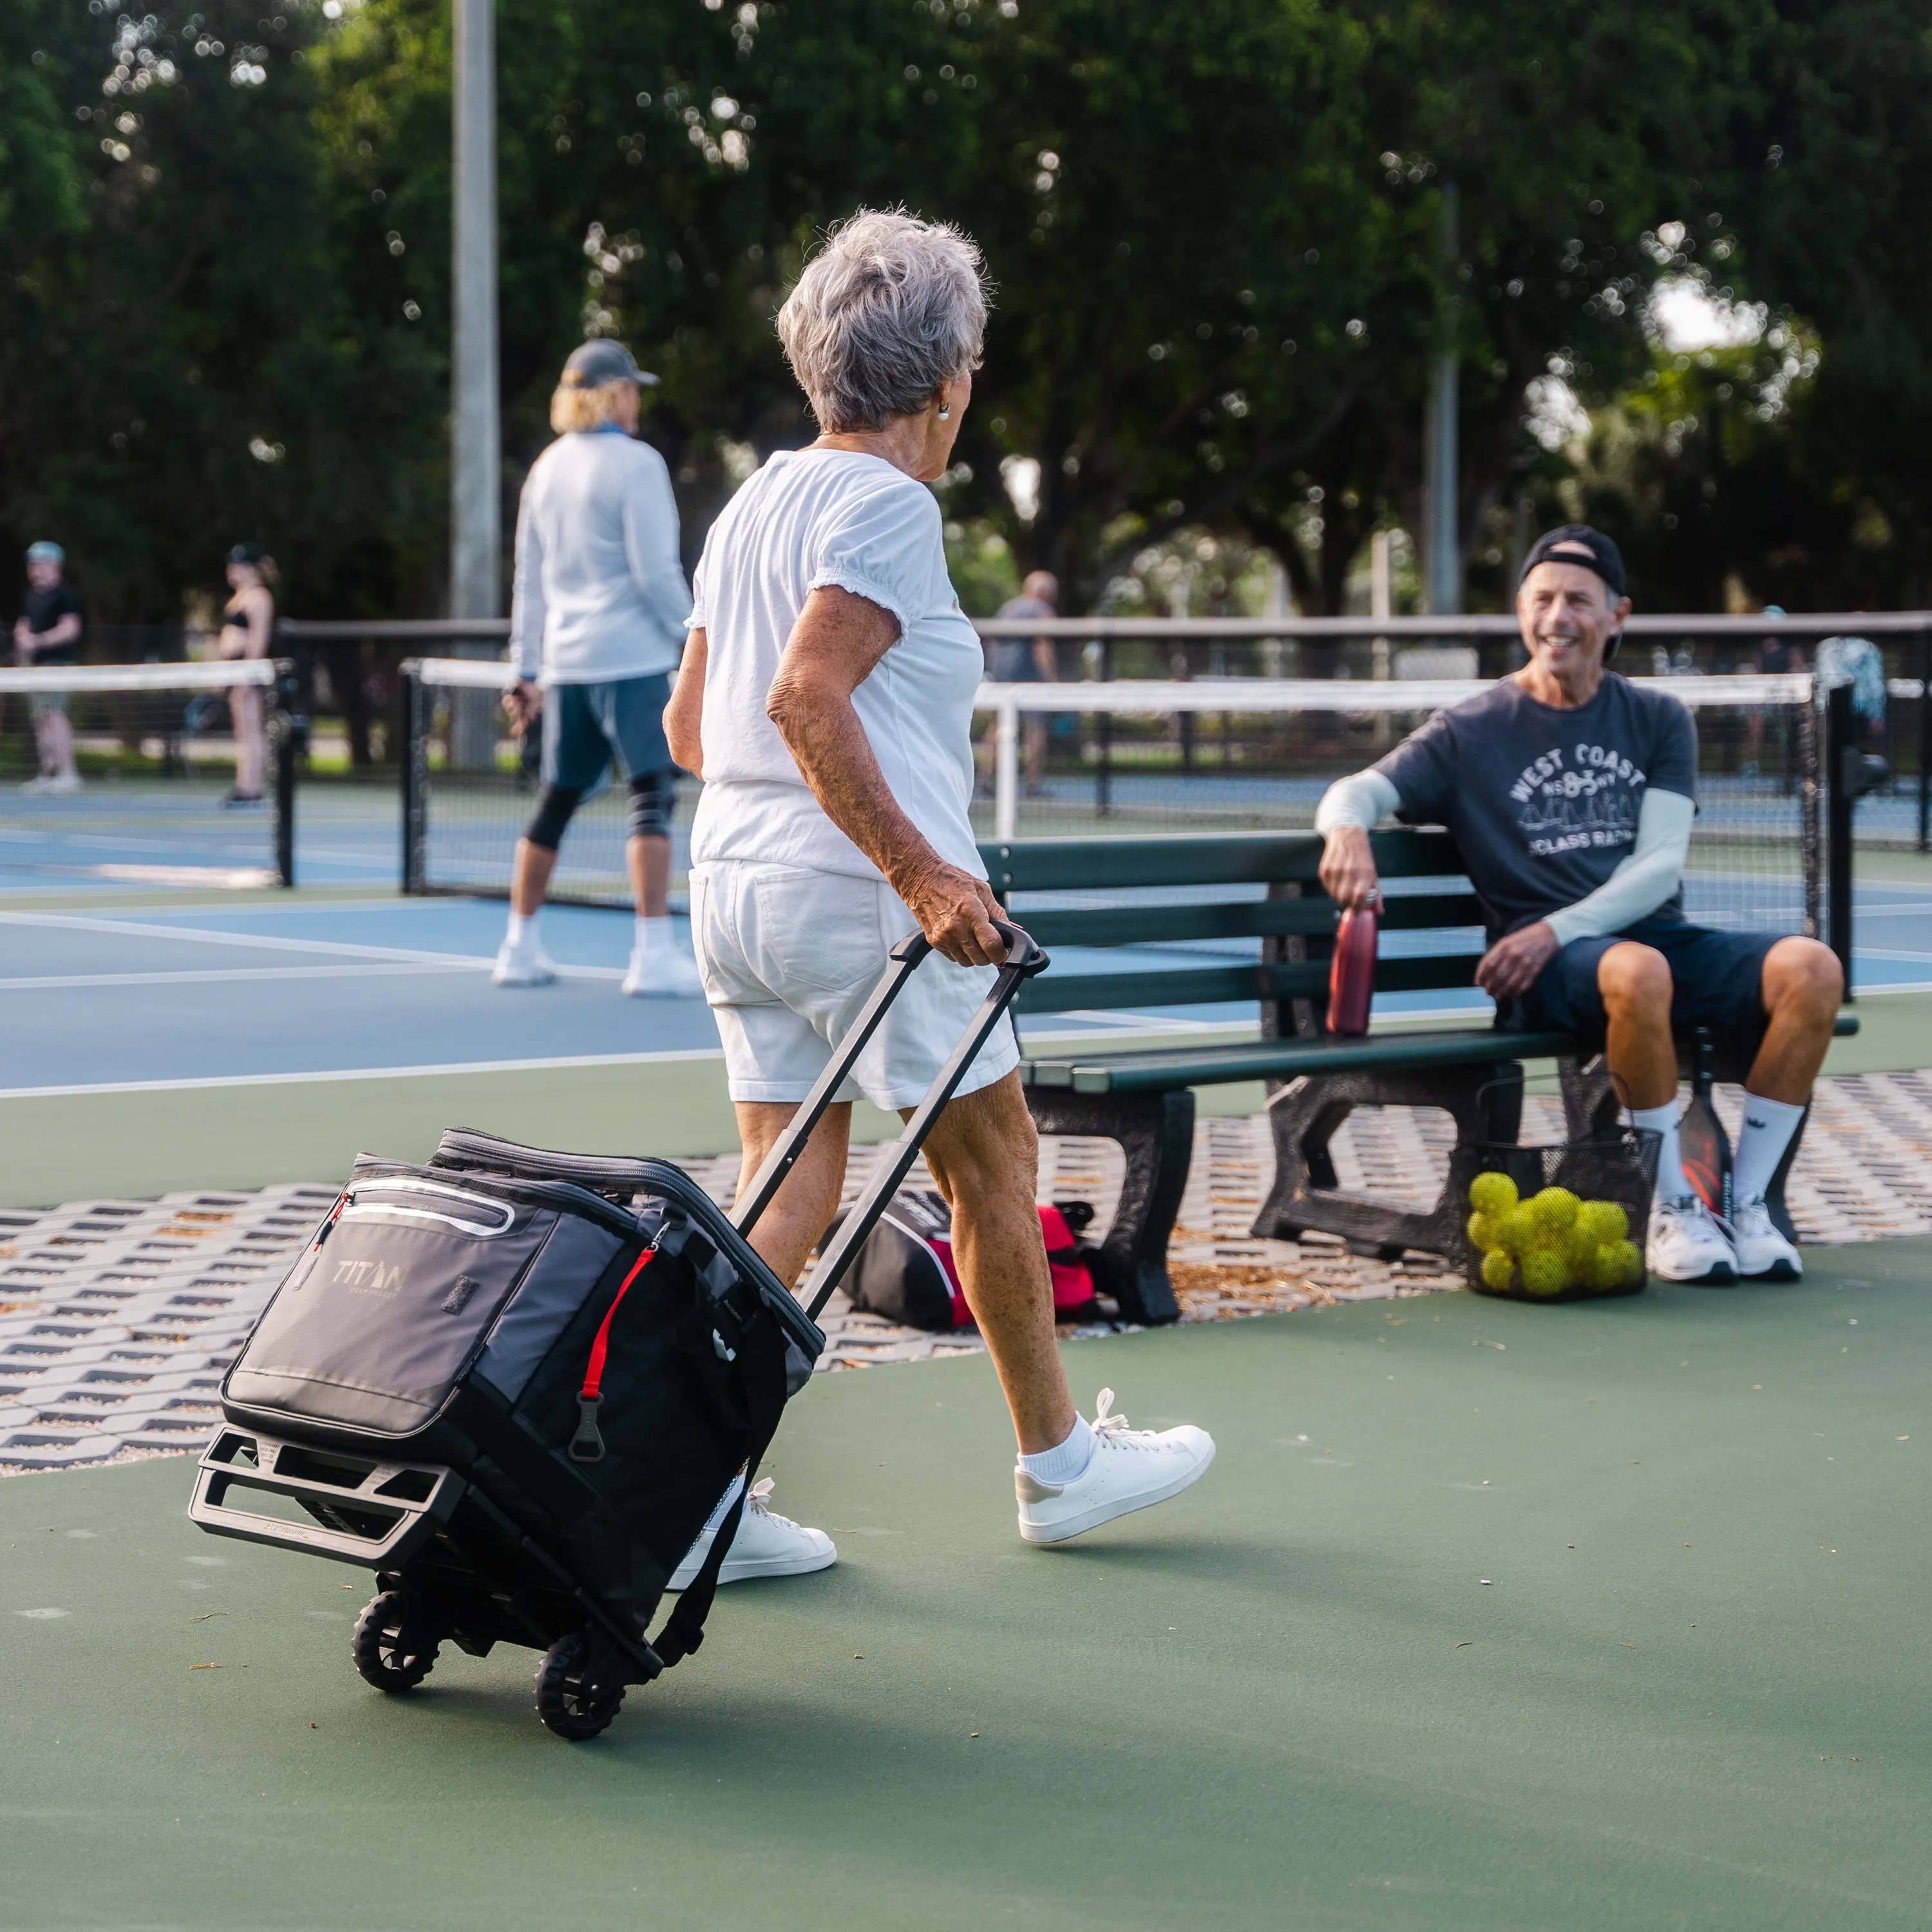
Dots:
pixel 599 591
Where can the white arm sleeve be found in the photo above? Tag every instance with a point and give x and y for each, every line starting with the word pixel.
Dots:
pixel 527 606
pixel 1361 799
pixel 1642 881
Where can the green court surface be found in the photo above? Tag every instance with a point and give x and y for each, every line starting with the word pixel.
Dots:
pixel 1488 1615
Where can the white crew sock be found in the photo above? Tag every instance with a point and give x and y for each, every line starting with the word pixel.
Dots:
pixel 1065 1464
pixel 1672 1182
pixel 1769 1126
pixel 522 926
pixel 654 935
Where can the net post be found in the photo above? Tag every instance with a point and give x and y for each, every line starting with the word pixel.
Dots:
pixel 1104 772
pixel 1838 825
pixel 1925 741
pixel 286 747
pixel 414 763
pixel 1809 828
pixel 1006 768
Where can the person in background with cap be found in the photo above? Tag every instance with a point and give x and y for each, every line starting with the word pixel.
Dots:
pixel 1571 793
pixel 48 632
pixel 596 626
pixel 248 629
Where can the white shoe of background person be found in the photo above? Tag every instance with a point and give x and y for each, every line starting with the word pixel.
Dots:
pixel 1763 1254
pixel 523 963
pixel 1130 1469
pixel 660 969
pixel 1687 1243
pixel 63 783
pixel 767 1544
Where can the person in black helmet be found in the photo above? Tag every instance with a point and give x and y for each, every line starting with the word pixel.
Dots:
pixel 1570 792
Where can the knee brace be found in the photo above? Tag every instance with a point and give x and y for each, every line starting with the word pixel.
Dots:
pixel 555 804
pixel 653 804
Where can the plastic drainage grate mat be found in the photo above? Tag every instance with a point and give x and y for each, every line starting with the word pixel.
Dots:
pixel 118 1318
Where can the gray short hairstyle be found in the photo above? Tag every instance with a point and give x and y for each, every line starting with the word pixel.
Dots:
pixel 888 310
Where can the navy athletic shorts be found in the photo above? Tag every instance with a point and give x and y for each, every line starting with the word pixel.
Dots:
pixel 586 727
pixel 1715 982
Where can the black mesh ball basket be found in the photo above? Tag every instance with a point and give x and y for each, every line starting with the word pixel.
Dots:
pixel 1556 1251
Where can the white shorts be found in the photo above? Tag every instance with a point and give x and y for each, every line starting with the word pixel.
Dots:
pixel 788 958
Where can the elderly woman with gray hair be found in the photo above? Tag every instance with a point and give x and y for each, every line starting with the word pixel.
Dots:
pixel 826 699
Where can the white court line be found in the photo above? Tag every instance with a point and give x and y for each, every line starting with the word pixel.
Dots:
pixel 560 1063
pixel 226 975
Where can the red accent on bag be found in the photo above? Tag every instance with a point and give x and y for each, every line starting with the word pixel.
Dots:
pixel 1351 972
pixel 593 1373
pixel 1073 1279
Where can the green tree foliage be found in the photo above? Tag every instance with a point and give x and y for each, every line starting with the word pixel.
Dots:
pixel 1217 232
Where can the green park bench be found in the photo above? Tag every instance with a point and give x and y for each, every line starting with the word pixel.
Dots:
pixel 1144 1099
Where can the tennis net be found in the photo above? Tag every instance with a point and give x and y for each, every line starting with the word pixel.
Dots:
pixel 470 785
pixel 1128 757
pixel 146 797
pixel 1252 754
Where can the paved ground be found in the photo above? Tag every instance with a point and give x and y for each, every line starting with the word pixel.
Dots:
pixel 1488 1616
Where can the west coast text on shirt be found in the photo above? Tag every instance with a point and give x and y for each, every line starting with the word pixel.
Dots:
pixel 1544 802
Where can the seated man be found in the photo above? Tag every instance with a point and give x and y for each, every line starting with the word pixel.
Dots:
pixel 1570 792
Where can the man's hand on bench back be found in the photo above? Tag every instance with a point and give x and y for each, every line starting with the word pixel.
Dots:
pixel 1348 870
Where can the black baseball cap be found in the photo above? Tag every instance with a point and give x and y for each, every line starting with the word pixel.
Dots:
pixel 1560 546
pixel 593 363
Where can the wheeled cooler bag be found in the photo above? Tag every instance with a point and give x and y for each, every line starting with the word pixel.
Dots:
pixel 516 1384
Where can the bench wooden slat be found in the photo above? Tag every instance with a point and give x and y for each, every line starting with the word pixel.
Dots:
pixel 1164 1068
pixel 1239 918
pixel 1056 992
pixel 1187 859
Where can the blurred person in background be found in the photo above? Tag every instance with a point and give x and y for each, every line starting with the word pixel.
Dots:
pixel 1773 657
pixel 248 628
pixel 48 632
pixel 596 627
pixel 1023 660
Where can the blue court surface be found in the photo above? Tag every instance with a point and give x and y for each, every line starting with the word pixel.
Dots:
pixel 107 995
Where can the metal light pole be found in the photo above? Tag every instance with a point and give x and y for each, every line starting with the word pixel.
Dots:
pixel 1443 547
pixel 476 467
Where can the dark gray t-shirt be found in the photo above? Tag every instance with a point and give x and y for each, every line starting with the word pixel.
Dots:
pixel 1010 659
pixel 1543 803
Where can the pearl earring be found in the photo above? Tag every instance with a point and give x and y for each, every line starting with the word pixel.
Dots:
pixel 945 411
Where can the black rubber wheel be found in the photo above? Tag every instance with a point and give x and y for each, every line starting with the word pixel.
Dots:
pixel 562 1703
pixel 391 1649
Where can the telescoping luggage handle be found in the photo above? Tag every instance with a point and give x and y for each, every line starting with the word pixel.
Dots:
pixel 1024 959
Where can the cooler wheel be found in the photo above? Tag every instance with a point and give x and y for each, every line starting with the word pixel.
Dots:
pixel 563 1703
pixel 392 1650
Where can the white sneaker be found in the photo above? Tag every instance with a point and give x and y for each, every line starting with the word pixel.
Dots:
pixel 1687 1243
pixel 767 1544
pixel 62 783
pixel 1763 1254
pixel 1131 1469
pixel 525 965
pixel 663 973
pixel 38 787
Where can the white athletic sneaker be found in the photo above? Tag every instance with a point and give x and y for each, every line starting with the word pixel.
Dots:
pixel 1131 1469
pixel 767 1544
pixel 1687 1243
pixel 525 965
pixel 1763 1254
pixel 664 973
pixel 54 784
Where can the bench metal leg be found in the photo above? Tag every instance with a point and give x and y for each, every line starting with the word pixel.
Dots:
pixel 1486 1103
pixel 1155 1133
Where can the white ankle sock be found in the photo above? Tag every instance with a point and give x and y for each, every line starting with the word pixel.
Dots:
pixel 522 925
pixel 654 935
pixel 1769 1126
pixel 1672 1182
pixel 1068 1463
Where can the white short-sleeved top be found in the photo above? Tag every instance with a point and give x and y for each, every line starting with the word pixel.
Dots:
pixel 809 519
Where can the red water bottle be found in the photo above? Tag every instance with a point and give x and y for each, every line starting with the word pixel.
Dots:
pixel 1351 972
